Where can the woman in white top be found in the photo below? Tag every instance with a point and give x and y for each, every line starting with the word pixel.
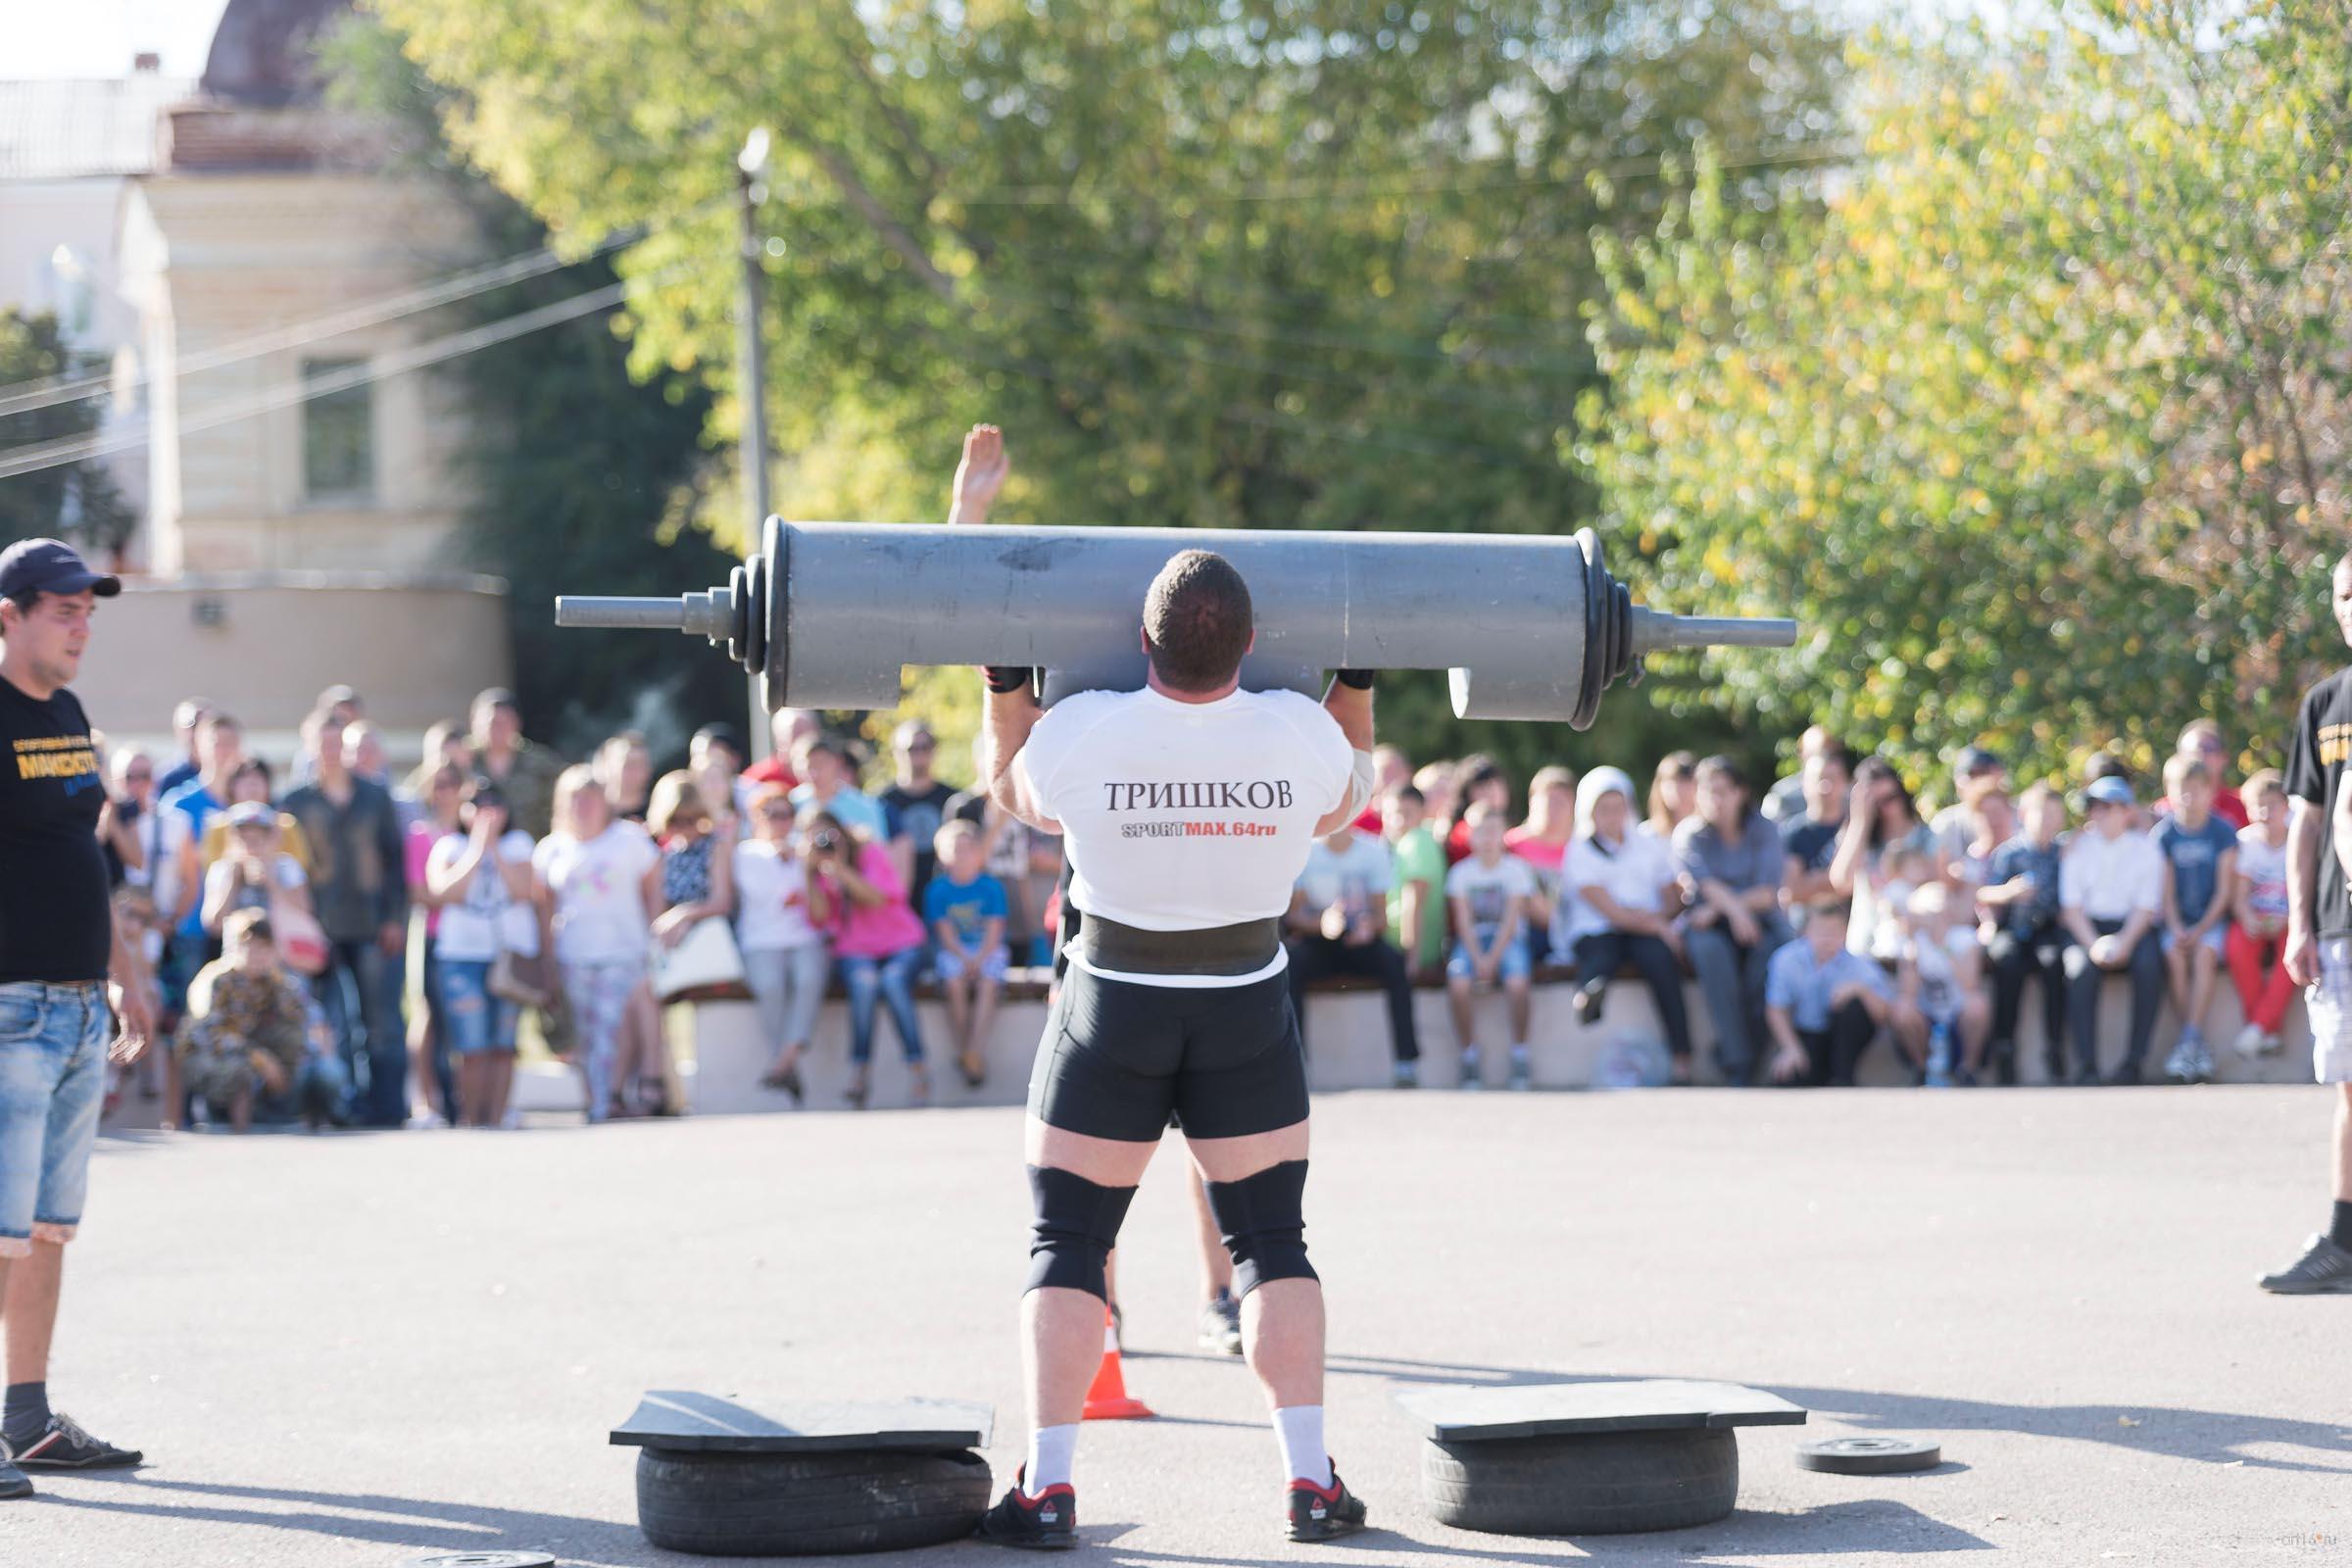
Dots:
pixel 480 878
pixel 1618 898
pixel 780 914
pixel 1884 852
pixel 599 888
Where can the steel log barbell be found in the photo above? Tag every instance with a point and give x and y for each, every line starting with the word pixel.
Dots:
pixel 827 615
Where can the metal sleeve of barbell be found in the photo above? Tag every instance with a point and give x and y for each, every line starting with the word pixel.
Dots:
pixel 647 615
pixel 1655 630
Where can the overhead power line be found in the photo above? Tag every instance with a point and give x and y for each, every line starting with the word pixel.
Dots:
pixel 27 397
pixel 434 351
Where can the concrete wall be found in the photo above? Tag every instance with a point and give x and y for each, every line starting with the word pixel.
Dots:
pixel 417 648
pixel 1347 1048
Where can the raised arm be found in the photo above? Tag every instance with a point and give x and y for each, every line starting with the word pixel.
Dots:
pixel 1349 704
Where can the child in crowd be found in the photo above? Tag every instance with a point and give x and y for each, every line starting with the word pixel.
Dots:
pixel 1541 841
pixel 2256 946
pixel 249 1034
pixel 965 910
pixel 1489 892
pixel 1823 1002
pixel 2200 868
pixel 2111 897
pixel 780 917
pixel 1938 1005
pixel 1417 881
pixel 2023 934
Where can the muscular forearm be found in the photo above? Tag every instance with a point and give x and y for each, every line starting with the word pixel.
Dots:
pixel 1004 728
pixel 1352 710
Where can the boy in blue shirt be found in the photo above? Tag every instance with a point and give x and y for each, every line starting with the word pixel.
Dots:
pixel 964 909
pixel 2200 866
pixel 1823 1004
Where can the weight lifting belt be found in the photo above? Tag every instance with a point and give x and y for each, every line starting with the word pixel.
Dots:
pixel 1234 950
pixel 1077 1223
pixel 1264 1222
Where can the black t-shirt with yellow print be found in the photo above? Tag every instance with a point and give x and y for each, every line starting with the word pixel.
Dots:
pixel 54 919
pixel 2314 772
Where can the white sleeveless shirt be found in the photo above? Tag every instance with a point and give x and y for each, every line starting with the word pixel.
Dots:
pixel 1184 817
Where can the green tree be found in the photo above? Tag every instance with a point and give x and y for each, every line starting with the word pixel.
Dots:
pixel 2040 426
pixel 1268 263
pixel 583 479
pixel 78 501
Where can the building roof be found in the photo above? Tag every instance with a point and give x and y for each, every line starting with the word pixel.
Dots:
pixel 67 129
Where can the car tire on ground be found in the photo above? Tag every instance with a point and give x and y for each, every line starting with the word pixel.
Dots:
pixel 1590 1484
pixel 804 1504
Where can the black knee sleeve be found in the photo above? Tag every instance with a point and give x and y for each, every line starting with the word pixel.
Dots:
pixel 1077 1222
pixel 1264 1222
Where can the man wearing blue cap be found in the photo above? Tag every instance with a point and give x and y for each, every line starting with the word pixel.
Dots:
pixel 58 948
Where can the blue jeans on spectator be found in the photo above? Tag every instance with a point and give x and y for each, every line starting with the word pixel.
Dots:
pixel 360 979
pixel 892 980
pixel 474 1018
pixel 445 1078
pixel 52 1086
pixel 1731 979
pixel 320 1093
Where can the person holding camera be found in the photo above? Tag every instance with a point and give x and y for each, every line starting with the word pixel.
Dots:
pixel 254 870
pixel 479 875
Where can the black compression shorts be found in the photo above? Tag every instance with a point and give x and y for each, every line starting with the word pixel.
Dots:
pixel 1119 1057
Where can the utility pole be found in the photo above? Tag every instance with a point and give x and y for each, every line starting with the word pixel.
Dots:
pixel 750 376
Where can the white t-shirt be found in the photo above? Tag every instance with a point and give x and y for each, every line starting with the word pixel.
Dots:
pixel 1185 816
pixel 600 893
pixel 487 916
pixel 1491 889
pixel 1939 969
pixel 2263 866
pixel 1356 879
pixel 2111 879
pixel 771 898
pixel 1632 873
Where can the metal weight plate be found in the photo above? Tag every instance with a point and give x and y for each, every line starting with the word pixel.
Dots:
pixel 1869 1456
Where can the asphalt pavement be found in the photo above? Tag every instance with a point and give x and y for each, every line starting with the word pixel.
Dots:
pixel 353 1348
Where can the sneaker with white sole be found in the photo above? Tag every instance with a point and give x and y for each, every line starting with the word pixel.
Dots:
pixel 1221 1325
pixel 63 1446
pixel 2250 1041
pixel 14 1482
pixel 2181 1066
pixel 1472 1078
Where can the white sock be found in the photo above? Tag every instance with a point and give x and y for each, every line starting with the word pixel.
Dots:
pixel 1299 1431
pixel 1051 1449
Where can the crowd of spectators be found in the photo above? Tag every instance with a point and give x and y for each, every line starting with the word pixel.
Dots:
pixel 343 947
pixel 1822 915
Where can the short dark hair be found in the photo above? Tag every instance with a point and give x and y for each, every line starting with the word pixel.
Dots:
pixel 1197 622
pixel 1407 792
pixel 1724 769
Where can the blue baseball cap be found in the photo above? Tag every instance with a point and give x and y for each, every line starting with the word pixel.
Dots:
pixel 32 567
pixel 2109 791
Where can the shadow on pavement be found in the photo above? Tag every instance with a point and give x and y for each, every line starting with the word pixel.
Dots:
pixel 1866 1526
pixel 2214 1437
pixel 417 1523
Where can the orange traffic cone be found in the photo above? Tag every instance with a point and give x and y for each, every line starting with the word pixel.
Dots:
pixel 1108 1400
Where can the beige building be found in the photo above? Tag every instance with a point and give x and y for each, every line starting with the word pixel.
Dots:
pixel 286 541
